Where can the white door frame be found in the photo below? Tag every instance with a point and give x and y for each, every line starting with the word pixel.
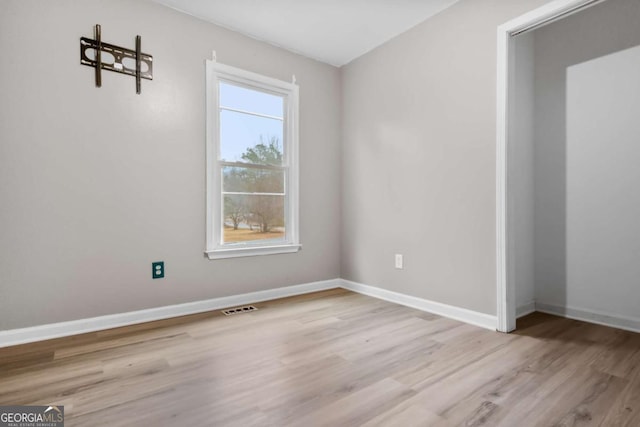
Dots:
pixel 506 304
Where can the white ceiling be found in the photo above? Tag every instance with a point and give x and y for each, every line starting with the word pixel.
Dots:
pixel 331 31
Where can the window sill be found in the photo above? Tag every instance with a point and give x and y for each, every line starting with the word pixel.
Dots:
pixel 255 251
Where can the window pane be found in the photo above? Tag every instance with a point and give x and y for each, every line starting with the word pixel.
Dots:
pixel 252 180
pixel 253 218
pixel 240 98
pixel 251 139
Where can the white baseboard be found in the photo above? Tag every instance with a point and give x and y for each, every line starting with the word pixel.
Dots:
pixel 468 316
pixel 74 327
pixel 601 318
pixel 81 326
pixel 525 309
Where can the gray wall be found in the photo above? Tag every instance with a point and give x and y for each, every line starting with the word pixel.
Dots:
pixel 520 173
pixel 95 184
pixel 419 138
pixel 88 204
pixel 587 203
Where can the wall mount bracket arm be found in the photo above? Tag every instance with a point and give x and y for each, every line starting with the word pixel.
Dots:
pixel 105 56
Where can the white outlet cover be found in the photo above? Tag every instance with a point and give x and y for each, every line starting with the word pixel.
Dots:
pixel 399 261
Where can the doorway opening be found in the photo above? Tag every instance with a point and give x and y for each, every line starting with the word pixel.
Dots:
pixel 505 248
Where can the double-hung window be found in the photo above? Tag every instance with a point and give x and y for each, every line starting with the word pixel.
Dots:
pixel 252 164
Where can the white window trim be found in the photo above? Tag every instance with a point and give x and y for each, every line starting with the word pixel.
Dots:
pixel 215 249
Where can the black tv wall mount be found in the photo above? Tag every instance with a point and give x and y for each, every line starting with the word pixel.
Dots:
pixel 105 56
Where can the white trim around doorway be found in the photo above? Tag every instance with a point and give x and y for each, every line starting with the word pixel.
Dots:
pixel 558 9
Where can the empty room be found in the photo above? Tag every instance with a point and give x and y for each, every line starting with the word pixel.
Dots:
pixel 319 213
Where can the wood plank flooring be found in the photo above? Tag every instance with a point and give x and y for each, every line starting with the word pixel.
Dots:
pixel 332 358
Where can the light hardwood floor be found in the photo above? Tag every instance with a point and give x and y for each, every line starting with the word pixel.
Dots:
pixel 332 358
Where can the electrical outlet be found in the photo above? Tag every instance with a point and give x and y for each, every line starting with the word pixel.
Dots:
pixel 399 262
pixel 157 271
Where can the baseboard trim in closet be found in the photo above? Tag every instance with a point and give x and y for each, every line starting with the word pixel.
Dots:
pixel 601 318
pixel 525 309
